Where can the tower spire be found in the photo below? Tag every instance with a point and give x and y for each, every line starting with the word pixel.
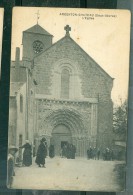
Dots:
pixel 37 16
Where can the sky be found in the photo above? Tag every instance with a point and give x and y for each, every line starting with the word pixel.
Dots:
pixel 103 34
pixel 1 33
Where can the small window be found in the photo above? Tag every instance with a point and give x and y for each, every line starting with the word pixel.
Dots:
pixel 21 103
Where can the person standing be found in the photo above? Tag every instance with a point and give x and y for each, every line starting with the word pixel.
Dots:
pixel 73 151
pixel 90 152
pixel 98 153
pixel 64 151
pixel 41 153
pixel 51 151
pixel 94 153
pixel 27 154
pixel 68 150
pixel 11 158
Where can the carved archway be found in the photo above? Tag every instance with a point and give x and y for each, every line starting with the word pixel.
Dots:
pixel 68 117
pixel 73 121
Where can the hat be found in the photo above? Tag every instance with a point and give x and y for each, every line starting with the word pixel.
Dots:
pixel 43 139
pixel 13 148
pixel 27 141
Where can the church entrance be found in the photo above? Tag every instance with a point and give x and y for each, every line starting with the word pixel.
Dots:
pixel 61 135
pixel 63 143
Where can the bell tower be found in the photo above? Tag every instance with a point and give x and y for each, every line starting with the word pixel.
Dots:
pixel 35 40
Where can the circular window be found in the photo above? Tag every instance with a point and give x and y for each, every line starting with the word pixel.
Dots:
pixel 38 47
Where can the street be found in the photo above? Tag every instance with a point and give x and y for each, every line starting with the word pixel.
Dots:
pixel 68 174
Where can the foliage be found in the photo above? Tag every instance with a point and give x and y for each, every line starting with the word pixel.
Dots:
pixel 120 120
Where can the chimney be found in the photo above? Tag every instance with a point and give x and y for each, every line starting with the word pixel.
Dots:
pixel 17 64
pixel 17 57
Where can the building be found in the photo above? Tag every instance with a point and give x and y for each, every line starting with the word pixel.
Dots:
pixel 59 92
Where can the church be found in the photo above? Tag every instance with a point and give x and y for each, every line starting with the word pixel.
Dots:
pixel 59 92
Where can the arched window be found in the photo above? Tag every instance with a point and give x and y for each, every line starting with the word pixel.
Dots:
pixel 65 80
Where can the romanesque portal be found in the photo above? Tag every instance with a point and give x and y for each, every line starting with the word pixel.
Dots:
pixel 61 122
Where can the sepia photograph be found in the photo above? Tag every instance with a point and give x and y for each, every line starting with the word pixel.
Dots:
pixel 68 99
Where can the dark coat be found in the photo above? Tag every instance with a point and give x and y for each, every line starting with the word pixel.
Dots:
pixel 41 154
pixel 51 151
pixel 73 152
pixel 64 151
pixel 11 172
pixel 27 154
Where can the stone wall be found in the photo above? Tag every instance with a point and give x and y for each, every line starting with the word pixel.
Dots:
pixel 92 81
pixel 12 121
pixel 21 115
pixel 28 40
pixel 79 116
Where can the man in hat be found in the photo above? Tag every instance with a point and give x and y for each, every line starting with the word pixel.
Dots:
pixel 11 158
pixel 41 153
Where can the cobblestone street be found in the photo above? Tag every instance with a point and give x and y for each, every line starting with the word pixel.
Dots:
pixel 69 174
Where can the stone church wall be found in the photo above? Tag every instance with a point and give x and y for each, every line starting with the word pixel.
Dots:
pixel 28 40
pixel 48 108
pixel 94 82
pixel 76 116
pixel 105 120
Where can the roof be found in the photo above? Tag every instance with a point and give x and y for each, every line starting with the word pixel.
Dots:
pixel 86 54
pixel 38 30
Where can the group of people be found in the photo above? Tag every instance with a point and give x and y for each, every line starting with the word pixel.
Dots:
pixel 68 151
pixel 27 157
pixel 93 153
pixel 108 154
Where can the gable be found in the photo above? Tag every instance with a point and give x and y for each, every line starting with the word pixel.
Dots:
pixel 37 29
pixel 68 41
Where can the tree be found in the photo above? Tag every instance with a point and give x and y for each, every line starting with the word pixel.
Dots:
pixel 120 121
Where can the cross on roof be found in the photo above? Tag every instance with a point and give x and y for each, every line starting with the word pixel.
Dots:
pixel 67 28
pixel 37 14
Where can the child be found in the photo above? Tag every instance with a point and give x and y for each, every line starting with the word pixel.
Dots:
pixel 11 163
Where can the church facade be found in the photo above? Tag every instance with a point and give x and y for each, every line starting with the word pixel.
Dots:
pixel 59 92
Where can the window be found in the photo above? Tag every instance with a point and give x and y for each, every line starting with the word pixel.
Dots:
pixel 21 103
pixel 65 80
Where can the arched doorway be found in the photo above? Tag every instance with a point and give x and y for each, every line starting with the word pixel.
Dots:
pixel 65 125
pixel 61 135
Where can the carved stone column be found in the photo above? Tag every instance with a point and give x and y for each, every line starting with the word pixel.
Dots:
pixel 93 119
pixel 84 147
pixel 76 144
pixel 78 147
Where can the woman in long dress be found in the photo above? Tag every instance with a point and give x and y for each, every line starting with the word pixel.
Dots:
pixel 41 153
pixel 27 154
pixel 51 151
